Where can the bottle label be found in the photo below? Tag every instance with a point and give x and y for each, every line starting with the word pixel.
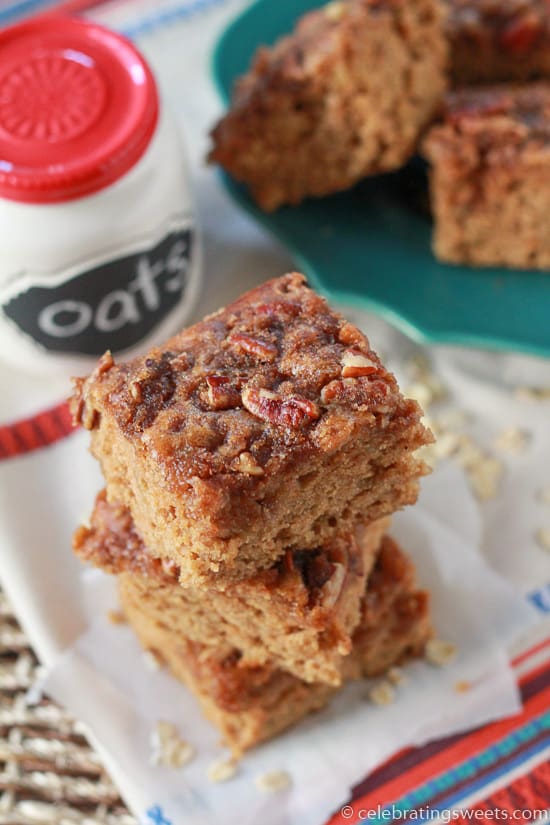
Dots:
pixel 113 305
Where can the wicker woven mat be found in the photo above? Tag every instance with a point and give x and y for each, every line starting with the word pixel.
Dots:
pixel 48 772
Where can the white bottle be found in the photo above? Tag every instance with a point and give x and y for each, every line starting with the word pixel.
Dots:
pixel 99 245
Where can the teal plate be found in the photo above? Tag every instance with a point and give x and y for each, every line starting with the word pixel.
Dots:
pixel 370 246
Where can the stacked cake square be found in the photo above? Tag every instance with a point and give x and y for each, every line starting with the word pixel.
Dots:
pixel 251 467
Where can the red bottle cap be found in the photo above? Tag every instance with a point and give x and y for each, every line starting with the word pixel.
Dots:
pixel 78 108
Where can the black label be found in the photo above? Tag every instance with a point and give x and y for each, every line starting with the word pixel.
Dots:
pixel 113 306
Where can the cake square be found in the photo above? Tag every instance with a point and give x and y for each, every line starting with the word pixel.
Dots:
pixel 267 426
pixel 298 615
pixel 498 40
pixel 490 178
pixel 346 95
pixel 251 704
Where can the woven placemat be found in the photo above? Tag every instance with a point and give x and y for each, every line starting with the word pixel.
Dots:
pixel 48 771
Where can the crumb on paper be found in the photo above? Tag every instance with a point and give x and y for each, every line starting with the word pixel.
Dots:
pixel 168 748
pixel 484 471
pixel 221 770
pixel 543 494
pixel 512 440
pixel 463 687
pixel 419 392
pixel 151 660
pixel 396 676
pixel 116 617
pixel 272 781
pixel 485 476
pixel 467 452
pixel 532 393
pixel 426 387
pixel 542 536
pixel 444 446
pixel 440 653
pixel 382 694
pixel 451 419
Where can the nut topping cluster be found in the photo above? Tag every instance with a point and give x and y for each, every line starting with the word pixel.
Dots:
pixel 291 411
pixel 356 365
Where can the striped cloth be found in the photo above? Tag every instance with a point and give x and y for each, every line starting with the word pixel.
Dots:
pixel 131 17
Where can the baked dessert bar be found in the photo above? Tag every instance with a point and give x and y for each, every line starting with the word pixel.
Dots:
pixel 269 425
pixel 498 40
pixel 490 178
pixel 344 96
pixel 251 704
pixel 299 614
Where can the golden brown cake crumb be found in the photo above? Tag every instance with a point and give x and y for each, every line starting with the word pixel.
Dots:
pixel 250 704
pixel 300 614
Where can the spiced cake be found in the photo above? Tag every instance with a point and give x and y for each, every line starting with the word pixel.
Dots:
pixel 490 177
pixel 298 615
pixel 268 426
pixel 250 704
pixel 345 95
pixel 498 40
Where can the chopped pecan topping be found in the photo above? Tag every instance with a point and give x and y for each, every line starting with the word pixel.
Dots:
pixel 355 364
pixel 350 335
pixel 221 393
pixel 322 574
pixel 157 384
pixel 277 309
pixel 246 463
pixel 289 412
pixel 105 363
pixel 333 391
pixel 136 391
pixel 314 567
pixel 521 33
pixel 86 415
pixel 264 350
pixel 331 591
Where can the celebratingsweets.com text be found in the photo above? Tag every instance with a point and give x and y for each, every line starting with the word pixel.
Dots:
pixel 391 813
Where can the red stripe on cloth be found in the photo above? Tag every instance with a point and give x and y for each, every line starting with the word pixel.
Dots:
pixel 531 652
pixel 38 431
pixel 529 792
pixel 413 767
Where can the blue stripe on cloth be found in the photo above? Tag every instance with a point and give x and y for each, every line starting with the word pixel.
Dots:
pixel 488 778
pixel 144 22
pixel 15 11
pixel 541 599
pixel 158 19
pixel 501 754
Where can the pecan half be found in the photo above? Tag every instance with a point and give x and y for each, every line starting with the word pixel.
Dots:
pixel 288 412
pixel 221 393
pixel 356 364
pixel 264 350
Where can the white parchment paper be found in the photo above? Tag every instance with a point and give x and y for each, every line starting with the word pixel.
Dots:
pixel 104 680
